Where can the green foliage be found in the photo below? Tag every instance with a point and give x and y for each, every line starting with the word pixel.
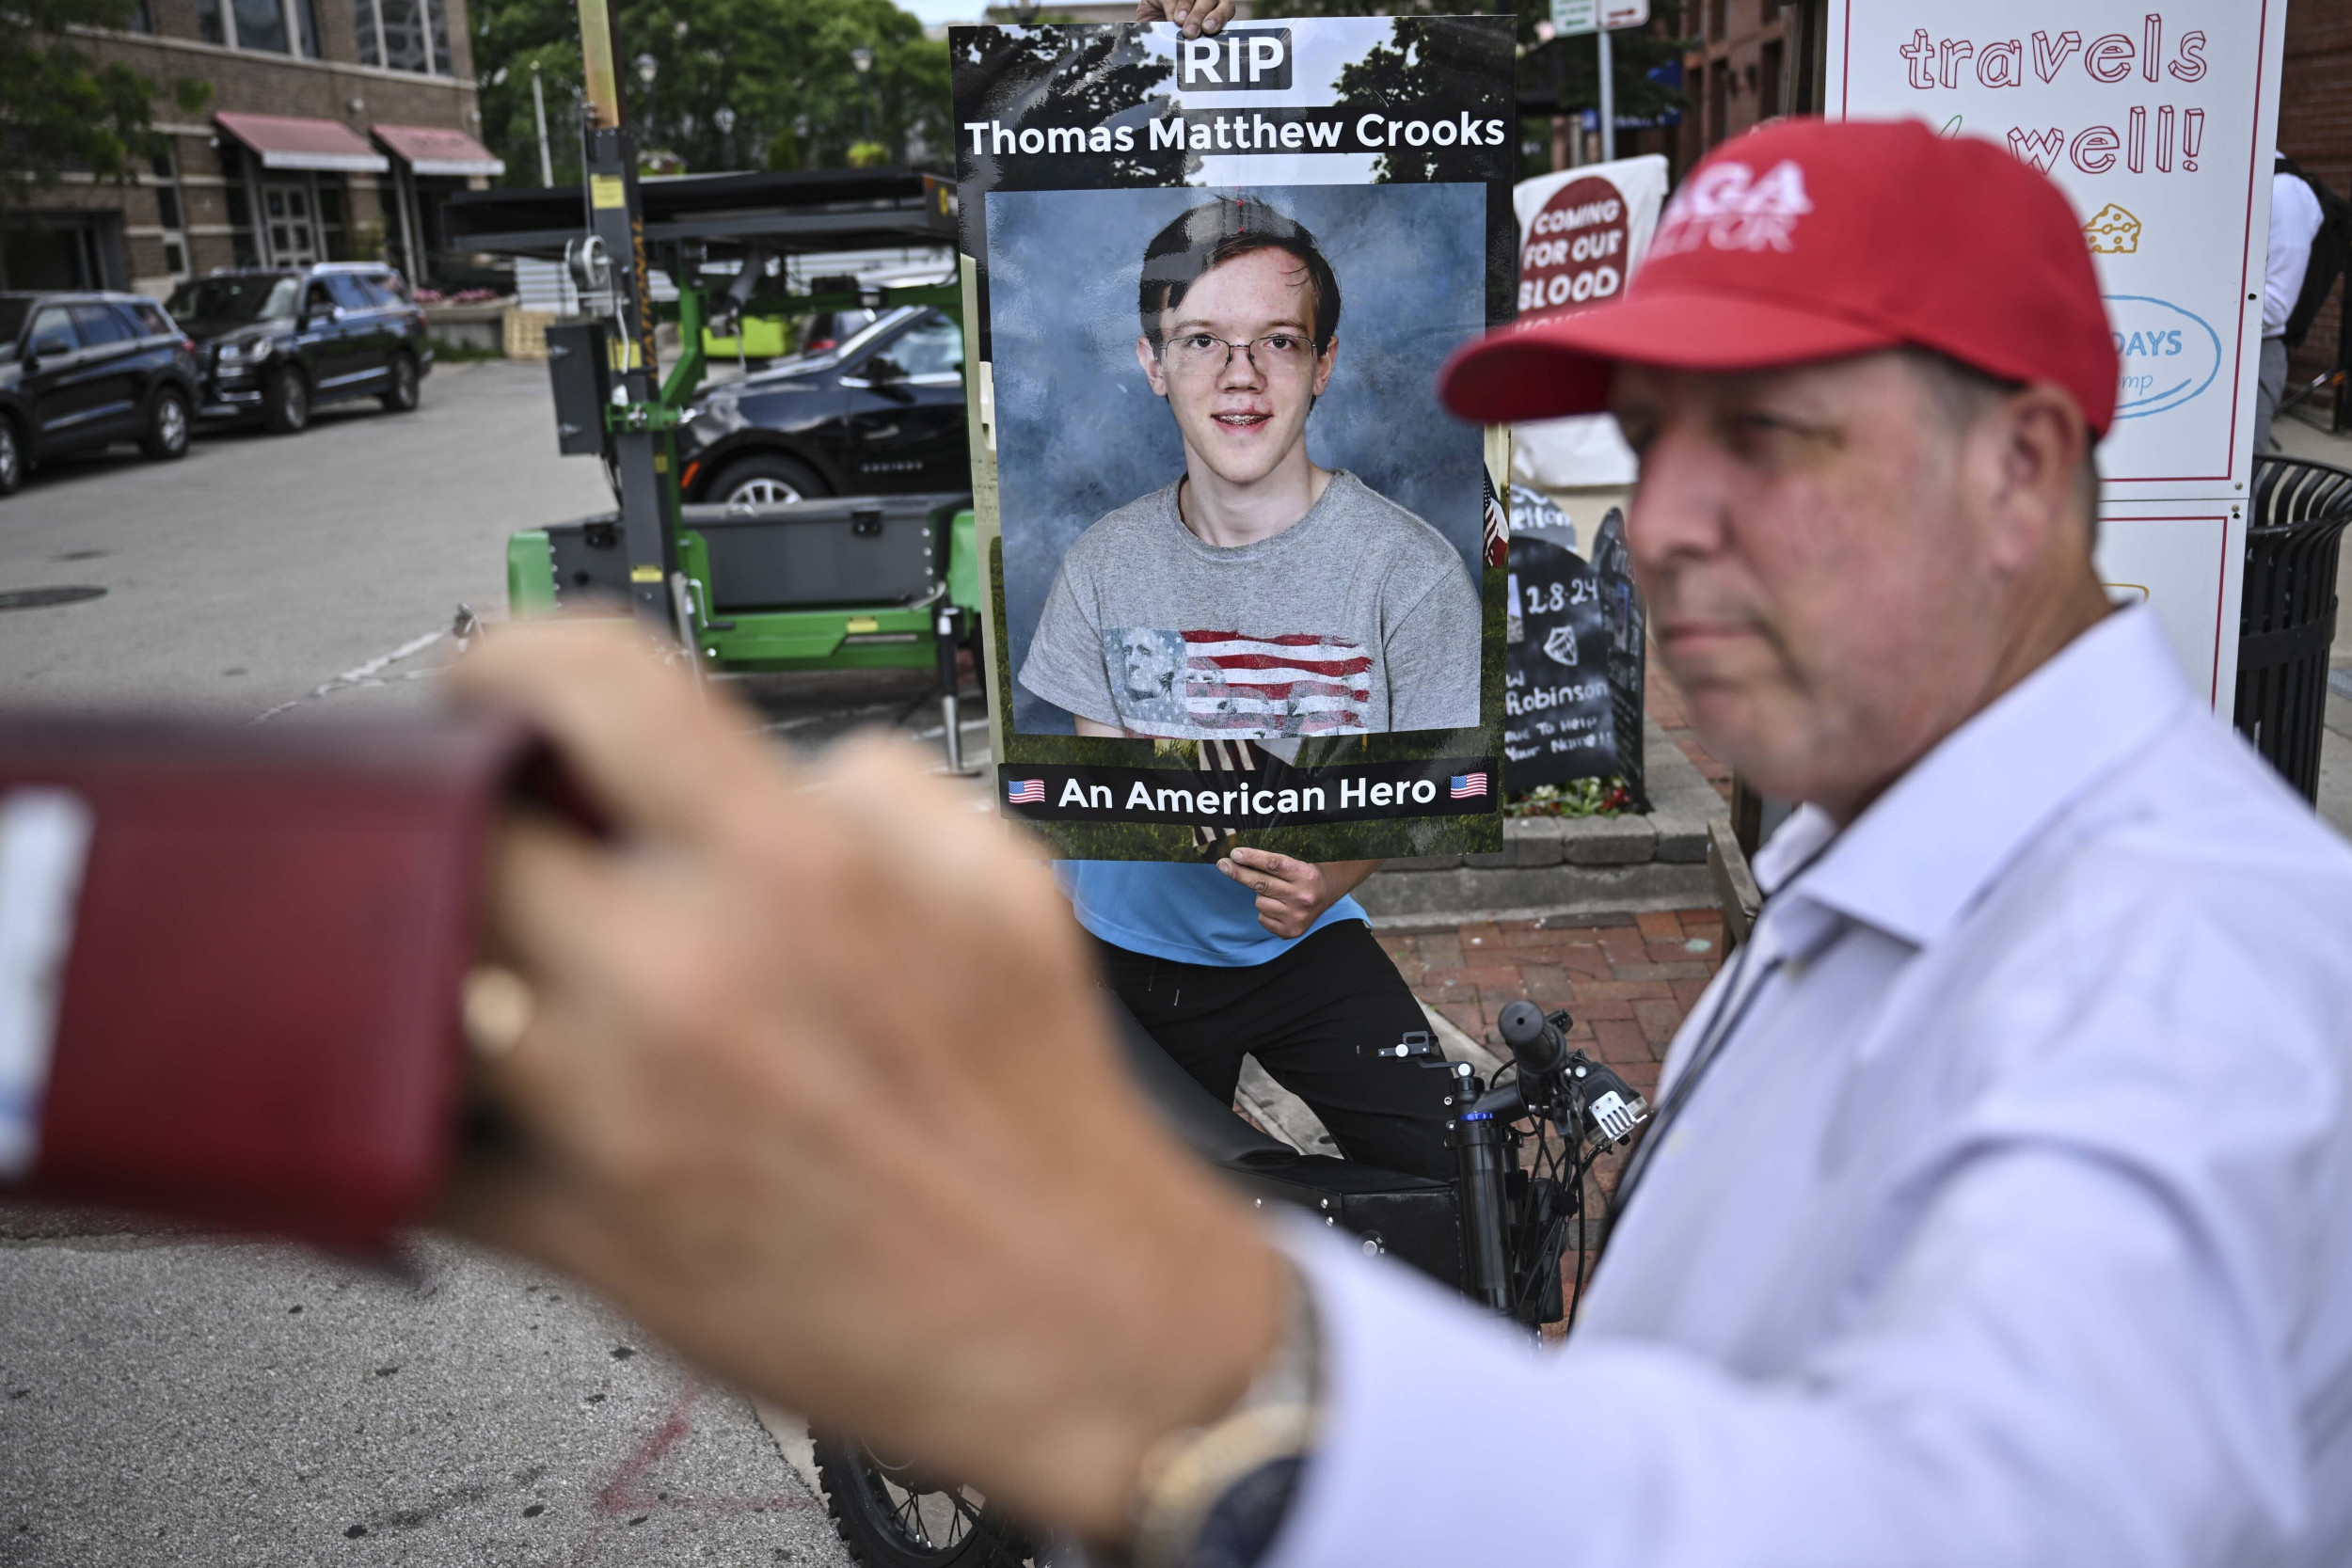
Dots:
pixel 783 66
pixel 1564 68
pixel 60 110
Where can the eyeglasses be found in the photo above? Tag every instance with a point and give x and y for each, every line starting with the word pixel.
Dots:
pixel 1202 354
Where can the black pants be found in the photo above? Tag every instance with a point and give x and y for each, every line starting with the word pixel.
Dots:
pixel 1304 1016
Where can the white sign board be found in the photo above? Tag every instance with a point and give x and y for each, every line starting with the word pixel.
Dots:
pixel 1581 234
pixel 2157 119
pixel 1569 17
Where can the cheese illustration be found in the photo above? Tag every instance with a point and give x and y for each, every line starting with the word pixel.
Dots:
pixel 2112 232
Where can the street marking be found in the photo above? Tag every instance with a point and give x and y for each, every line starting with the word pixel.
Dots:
pixel 362 674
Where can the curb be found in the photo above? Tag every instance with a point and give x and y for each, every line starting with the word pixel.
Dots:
pixel 1553 868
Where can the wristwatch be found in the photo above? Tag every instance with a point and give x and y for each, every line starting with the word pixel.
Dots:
pixel 1213 1496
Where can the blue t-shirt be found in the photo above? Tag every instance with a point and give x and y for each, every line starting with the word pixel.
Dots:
pixel 1191 913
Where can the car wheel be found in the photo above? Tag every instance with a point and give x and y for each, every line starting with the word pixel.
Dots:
pixel 166 435
pixel 11 457
pixel 402 395
pixel 764 479
pixel 286 402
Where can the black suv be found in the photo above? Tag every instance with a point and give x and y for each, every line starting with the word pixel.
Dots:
pixel 879 413
pixel 277 342
pixel 79 371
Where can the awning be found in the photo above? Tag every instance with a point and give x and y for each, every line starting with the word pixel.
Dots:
pixel 282 141
pixel 430 149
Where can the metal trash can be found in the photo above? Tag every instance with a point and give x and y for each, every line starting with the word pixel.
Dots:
pixel 2287 617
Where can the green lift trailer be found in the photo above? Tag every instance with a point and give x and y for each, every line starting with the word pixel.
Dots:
pixel 726 583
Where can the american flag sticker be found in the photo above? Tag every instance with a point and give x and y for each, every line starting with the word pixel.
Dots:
pixel 1231 685
pixel 1468 786
pixel 1026 792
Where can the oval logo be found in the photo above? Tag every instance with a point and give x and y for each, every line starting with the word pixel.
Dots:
pixel 2169 354
pixel 1575 250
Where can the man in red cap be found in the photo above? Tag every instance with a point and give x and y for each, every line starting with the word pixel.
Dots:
pixel 1993 1208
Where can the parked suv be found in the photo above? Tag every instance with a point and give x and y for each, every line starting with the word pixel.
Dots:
pixel 879 413
pixel 79 371
pixel 274 342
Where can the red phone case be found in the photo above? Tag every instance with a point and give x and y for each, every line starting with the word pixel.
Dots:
pixel 258 1023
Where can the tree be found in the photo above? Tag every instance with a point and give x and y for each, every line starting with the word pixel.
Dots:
pixel 63 112
pixel 783 66
pixel 1563 72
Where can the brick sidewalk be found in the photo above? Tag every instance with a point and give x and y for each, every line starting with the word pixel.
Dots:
pixel 1626 981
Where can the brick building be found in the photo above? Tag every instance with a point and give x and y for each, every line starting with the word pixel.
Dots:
pixel 2316 130
pixel 335 130
pixel 1738 76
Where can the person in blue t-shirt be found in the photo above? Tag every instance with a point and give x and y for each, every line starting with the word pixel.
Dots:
pixel 1265 956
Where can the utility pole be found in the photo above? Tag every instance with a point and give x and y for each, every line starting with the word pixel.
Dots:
pixel 642 445
pixel 1608 97
pixel 539 108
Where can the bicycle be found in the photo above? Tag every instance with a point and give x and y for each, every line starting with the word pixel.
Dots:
pixel 1496 1230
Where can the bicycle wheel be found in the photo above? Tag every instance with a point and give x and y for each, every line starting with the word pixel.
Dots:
pixel 891 1517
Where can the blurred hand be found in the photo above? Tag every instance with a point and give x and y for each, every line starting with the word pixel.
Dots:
pixel 1195 17
pixel 815 1085
pixel 1292 895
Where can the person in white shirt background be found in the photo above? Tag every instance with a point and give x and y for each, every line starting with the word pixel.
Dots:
pixel 1995 1211
pixel 2295 218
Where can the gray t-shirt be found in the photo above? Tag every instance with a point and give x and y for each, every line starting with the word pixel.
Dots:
pixel 1358 617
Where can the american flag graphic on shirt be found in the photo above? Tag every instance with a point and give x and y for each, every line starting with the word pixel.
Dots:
pixel 1239 684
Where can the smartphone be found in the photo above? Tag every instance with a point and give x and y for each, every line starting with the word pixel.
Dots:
pixel 230 960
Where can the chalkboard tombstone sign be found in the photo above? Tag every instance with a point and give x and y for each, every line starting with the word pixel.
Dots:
pixel 1573 650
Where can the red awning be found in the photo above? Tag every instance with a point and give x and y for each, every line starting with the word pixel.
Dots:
pixel 430 149
pixel 284 142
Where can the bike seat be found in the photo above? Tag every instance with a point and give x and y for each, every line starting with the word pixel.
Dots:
pixel 1208 1129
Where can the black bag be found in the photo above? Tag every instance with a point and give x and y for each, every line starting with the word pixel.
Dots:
pixel 2332 247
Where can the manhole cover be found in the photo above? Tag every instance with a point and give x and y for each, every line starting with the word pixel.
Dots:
pixel 34 598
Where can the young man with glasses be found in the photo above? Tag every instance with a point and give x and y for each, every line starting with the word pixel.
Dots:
pixel 1259 598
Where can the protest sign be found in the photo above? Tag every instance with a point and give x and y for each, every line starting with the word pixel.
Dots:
pixel 1200 274
pixel 1573 654
pixel 2157 121
pixel 1582 232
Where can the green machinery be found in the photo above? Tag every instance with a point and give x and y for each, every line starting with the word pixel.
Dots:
pixel 739 590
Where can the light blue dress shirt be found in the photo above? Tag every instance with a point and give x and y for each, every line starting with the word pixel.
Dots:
pixel 2013 1225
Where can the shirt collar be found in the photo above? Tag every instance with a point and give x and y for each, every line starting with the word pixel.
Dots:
pixel 1921 854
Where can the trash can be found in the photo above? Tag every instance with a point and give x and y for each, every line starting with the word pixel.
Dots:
pixel 2287 618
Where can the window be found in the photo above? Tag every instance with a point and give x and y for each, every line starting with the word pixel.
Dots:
pixel 151 319
pixel 933 347
pixel 1768 90
pixel 404 35
pixel 347 292
pixel 275 26
pixel 98 326
pixel 1718 19
pixel 383 290
pixel 168 215
pixel 53 332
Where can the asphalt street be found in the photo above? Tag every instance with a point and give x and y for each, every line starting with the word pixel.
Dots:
pixel 168 1400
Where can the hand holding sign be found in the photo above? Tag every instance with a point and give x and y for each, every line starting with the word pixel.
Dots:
pixel 1292 894
pixel 1195 17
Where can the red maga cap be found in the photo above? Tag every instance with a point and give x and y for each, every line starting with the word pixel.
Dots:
pixel 1810 240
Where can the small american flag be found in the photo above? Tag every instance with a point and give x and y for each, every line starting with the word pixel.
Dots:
pixel 1467 786
pixel 1026 792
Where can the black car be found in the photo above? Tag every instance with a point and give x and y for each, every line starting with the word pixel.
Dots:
pixel 880 414
pixel 274 342
pixel 79 371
